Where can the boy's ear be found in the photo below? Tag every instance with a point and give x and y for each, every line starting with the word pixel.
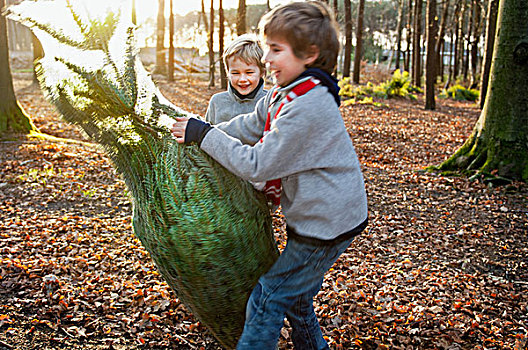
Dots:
pixel 312 55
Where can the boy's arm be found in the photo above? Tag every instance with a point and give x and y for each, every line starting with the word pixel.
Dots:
pixel 299 140
pixel 210 113
pixel 248 128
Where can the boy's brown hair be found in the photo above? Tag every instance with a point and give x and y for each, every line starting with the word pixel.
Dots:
pixel 247 48
pixel 302 25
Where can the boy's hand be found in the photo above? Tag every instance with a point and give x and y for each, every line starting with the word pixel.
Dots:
pixel 179 127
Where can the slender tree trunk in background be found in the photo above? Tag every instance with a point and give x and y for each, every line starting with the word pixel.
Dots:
pixel 452 59
pixel 359 42
pixel 440 40
pixel 453 31
pixel 407 59
pixel 204 17
pixel 134 17
pixel 491 27
pixel 387 34
pixel 336 8
pixel 171 42
pixel 12 117
pixel 430 70
pixel 458 39
pixel 161 64
pixel 461 42
pixel 19 36
pixel 417 49
pixel 211 51
pixel 499 142
pixel 467 42
pixel 38 53
pixel 268 5
pixel 348 39
pixel 401 4
pixel 241 17
pixel 441 60
pixel 475 38
pixel 221 31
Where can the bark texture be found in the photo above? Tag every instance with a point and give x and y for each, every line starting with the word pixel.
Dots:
pixel 491 29
pixel 12 116
pixel 430 65
pixel 348 38
pixel 161 62
pixel 241 18
pixel 498 144
pixel 359 42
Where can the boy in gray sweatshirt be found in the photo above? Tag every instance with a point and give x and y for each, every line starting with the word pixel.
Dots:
pixel 245 71
pixel 295 141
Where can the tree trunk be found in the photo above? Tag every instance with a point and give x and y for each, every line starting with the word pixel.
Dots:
pixel 467 42
pixel 475 38
pixel 161 63
pixel 221 31
pixel 401 4
pixel 348 39
pixel 38 53
pixel 430 76
pixel 171 42
pixel 211 51
pixel 456 54
pixel 12 116
pixel 488 50
pixel 453 52
pixel 336 8
pixel 204 17
pixel 441 59
pixel 498 144
pixel 241 17
pixel 417 49
pixel 134 17
pixel 359 42
pixel 407 59
pixel 440 41
pixel 452 59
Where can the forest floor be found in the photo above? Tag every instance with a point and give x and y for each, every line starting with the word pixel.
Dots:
pixel 442 265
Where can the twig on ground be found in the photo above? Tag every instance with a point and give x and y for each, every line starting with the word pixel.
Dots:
pixel 6 345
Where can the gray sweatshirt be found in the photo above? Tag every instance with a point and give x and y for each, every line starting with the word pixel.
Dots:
pixel 308 147
pixel 226 105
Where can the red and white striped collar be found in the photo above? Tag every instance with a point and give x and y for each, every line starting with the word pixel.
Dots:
pixel 292 90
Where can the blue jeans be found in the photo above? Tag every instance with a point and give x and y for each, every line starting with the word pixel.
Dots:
pixel 287 289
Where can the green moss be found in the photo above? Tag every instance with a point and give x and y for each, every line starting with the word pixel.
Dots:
pixel 14 119
pixel 524 175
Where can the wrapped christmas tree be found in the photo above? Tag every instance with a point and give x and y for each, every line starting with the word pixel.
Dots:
pixel 208 232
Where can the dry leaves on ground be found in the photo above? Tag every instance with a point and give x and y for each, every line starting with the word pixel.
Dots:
pixel 442 265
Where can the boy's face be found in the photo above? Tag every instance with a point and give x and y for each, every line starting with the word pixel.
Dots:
pixel 243 77
pixel 282 63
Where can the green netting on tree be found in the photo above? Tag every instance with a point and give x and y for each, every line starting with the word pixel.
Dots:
pixel 209 233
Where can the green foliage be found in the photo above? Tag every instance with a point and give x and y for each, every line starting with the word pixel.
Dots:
pixel 398 86
pixel 364 101
pixel 36 176
pixel 460 93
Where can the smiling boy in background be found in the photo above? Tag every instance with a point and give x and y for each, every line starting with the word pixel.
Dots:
pixel 245 71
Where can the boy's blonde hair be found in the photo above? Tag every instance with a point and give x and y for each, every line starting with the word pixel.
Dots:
pixel 247 48
pixel 302 25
